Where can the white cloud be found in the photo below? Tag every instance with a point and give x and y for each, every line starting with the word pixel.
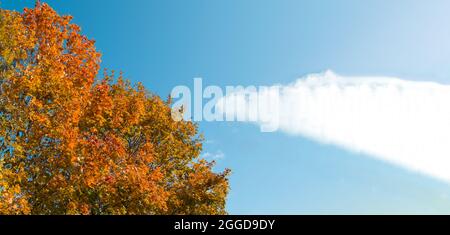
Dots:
pixel 403 122
pixel 213 155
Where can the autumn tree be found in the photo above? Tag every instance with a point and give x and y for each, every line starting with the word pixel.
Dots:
pixel 73 143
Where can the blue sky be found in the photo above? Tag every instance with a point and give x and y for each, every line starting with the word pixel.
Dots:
pixel 259 42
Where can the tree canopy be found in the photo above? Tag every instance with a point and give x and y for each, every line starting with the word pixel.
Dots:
pixel 74 143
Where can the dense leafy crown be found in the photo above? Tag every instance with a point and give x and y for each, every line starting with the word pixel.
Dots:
pixel 74 144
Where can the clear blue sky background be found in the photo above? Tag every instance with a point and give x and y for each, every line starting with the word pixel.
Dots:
pixel 257 42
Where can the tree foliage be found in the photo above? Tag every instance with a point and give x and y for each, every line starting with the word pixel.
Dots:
pixel 74 144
